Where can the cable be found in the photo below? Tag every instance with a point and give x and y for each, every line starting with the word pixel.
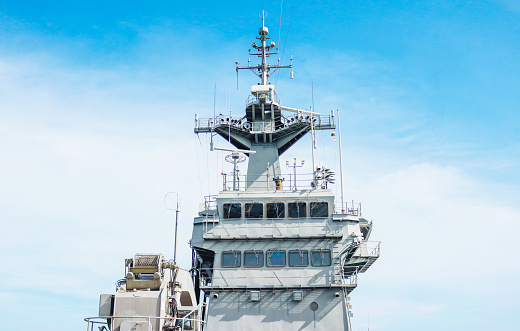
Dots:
pixel 286 37
pixel 207 165
pixel 280 27
pixel 198 164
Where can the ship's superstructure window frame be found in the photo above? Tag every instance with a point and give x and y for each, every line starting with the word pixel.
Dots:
pixel 231 259
pixel 275 210
pixel 274 258
pixel 253 259
pixel 319 209
pixel 232 210
pixel 254 210
pixel 321 257
pixel 297 209
pixel 298 258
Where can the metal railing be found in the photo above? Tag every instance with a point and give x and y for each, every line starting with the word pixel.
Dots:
pixel 210 202
pixel 371 249
pixel 209 124
pixel 289 182
pixel 374 250
pixel 271 96
pixel 348 208
pixel 179 322
pixel 285 277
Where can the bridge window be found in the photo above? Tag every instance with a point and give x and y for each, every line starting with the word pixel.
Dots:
pixel 275 210
pixel 231 259
pixel 320 209
pixel 320 257
pixel 297 209
pixel 253 259
pixel 275 258
pixel 254 210
pixel 232 210
pixel 298 258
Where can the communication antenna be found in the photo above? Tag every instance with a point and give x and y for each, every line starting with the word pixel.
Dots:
pixel 312 137
pixel 340 163
pixel 214 117
pixel 294 166
pixel 171 202
pixel 263 71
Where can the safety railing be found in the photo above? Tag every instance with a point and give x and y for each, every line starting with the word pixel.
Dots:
pixel 209 124
pixel 270 96
pixel 184 323
pixel 281 277
pixel 369 249
pixel 210 202
pixel 348 208
pixel 350 279
pixel 284 181
pixel 375 248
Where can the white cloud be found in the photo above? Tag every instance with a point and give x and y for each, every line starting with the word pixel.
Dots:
pixel 446 241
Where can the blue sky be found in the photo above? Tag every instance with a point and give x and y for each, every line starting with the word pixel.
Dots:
pixel 98 99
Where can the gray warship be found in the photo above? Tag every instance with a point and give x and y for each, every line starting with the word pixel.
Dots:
pixel 271 251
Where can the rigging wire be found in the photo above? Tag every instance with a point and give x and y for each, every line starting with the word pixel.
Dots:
pixel 207 163
pixel 280 27
pixel 336 163
pixel 286 37
pixel 198 163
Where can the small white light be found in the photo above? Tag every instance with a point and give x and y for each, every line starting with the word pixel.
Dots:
pixel 255 296
pixel 297 295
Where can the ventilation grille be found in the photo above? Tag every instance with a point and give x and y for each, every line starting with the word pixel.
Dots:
pixel 146 261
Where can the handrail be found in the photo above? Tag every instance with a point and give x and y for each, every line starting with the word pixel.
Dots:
pixel 204 124
pixel 303 181
pixel 376 250
pixel 91 321
pixel 277 277
pixel 348 208
pixel 370 251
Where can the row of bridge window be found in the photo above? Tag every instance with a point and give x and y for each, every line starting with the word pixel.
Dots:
pixel 296 209
pixel 276 258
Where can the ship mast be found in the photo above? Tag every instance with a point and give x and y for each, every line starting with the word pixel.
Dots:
pixel 263 70
pixel 264 133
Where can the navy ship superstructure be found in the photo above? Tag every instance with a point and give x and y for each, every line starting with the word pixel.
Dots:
pixel 271 251
pixel 268 254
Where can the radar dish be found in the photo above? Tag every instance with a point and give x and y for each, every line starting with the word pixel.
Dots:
pixel 235 158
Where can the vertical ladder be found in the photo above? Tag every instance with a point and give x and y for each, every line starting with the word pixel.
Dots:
pixel 336 262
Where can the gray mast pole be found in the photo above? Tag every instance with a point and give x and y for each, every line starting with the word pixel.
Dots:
pixel 312 137
pixel 340 163
pixel 312 147
pixel 176 224
pixel 263 38
pixel 166 199
pixel 264 53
